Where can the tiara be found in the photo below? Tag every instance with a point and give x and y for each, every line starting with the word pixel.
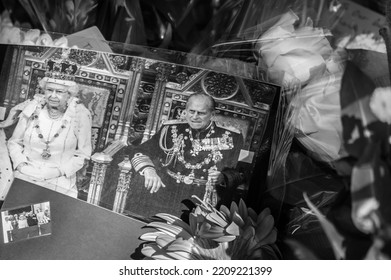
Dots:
pixel 62 69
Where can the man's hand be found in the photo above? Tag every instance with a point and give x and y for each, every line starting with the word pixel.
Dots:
pixel 215 176
pixel 152 180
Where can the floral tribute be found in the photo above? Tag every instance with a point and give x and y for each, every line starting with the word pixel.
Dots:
pixel 366 133
pixel 11 34
pixel 298 53
pixel 302 55
pixel 343 118
pixel 229 233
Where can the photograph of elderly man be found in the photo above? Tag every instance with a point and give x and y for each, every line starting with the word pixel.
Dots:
pixel 182 159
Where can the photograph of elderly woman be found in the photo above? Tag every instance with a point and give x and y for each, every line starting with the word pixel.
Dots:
pixel 52 138
pixel 48 135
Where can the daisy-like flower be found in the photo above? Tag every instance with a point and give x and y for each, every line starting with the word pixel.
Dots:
pixel 234 233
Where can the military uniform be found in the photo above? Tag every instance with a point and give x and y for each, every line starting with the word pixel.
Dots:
pixel 182 157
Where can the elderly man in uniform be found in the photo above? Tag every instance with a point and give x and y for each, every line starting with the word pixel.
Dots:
pixel 184 158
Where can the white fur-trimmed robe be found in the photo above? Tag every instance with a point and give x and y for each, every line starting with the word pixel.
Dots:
pixel 68 151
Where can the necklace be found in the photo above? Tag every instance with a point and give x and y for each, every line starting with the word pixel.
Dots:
pixel 46 151
pixel 54 114
pixel 196 143
pixel 214 155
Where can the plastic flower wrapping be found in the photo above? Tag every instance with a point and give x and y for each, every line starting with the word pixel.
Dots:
pixel 322 148
pixel 11 34
pixel 305 56
pixel 309 140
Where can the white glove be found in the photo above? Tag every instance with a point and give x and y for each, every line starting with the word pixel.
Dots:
pixel 31 171
pixel 50 173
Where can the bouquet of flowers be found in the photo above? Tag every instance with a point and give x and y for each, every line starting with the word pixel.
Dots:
pixel 358 225
pixel 11 34
pixel 228 233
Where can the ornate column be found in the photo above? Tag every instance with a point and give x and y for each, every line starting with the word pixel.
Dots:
pixel 101 162
pixel 130 98
pixel 7 70
pixel 10 96
pixel 138 70
pixel 123 185
pixel 163 71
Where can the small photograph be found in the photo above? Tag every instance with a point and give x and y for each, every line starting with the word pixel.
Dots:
pixel 26 222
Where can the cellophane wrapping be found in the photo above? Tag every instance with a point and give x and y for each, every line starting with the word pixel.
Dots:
pixel 289 43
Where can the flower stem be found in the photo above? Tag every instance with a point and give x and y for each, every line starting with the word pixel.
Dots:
pixel 385 33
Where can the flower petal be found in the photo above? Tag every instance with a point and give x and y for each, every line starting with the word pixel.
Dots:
pixel 151 236
pixel 233 229
pixel 264 228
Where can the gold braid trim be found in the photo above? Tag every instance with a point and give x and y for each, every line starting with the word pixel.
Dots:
pixel 171 153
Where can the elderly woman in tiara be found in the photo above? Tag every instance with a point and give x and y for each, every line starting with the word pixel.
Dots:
pixel 52 139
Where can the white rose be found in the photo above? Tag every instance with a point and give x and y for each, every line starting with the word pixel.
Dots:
pixel 380 104
pixel 10 35
pixel 319 118
pixel 298 53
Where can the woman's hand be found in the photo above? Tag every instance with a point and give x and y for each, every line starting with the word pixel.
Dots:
pixel 51 173
pixel 41 174
pixel 31 171
pixel 20 166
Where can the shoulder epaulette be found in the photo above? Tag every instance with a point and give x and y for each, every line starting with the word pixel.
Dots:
pixel 171 122
pixel 228 127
